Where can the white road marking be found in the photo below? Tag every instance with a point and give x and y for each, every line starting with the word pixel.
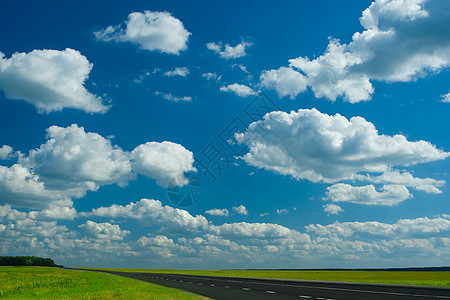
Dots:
pixel 227 286
pixel 306 297
pixel 271 292
pixel 339 289
pixel 200 283
pixel 212 285
pixel 246 289
pixel 342 289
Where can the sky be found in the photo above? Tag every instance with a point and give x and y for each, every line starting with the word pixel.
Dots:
pixel 223 135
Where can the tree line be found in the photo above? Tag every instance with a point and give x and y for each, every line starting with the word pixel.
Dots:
pixel 26 261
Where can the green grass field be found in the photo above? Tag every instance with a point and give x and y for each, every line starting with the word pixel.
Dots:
pixel 422 278
pixel 51 283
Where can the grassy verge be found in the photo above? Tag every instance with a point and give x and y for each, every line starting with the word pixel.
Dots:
pixel 440 279
pixel 51 283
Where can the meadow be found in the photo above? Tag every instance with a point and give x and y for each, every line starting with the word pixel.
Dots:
pixel 420 278
pixel 54 283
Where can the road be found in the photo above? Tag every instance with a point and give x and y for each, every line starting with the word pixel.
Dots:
pixel 238 288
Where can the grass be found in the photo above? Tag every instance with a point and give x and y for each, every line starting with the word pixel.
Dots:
pixel 422 278
pixel 51 283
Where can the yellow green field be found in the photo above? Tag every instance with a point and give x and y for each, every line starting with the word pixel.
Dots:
pixel 422 278
pixel 54 283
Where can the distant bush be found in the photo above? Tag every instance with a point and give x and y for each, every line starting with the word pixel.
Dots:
pixel 26 261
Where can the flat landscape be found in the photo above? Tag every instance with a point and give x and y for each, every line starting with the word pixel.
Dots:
pixel 419 278
pixel 50 283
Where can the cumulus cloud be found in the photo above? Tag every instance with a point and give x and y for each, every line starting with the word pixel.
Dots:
pixel 332 209
pixel 72 162
pixel 217 212
pixel 269 231
pixel 73 158
pixel 446 98
pixel 321 148
pixel 153 212
pixel 427 185
pixel 401 229
pixel 5 152
pixel 241 209
pixel 401 41
pixel 286 81
pixel 50 80
pixel 163 161
pixel 211 76
pixel 229 52
pixel 389 195
pixel 159 241
pixel 104 231
pixel 179 71
pixel 150 31
pixel 172 98
pixel 21 188
pixel 239 244
pixel 239 89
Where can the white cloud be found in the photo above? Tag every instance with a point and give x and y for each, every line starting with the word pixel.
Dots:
pixel 73 162
pixel 5 152
pixel 332 209
pixel 321 148
pixel 54 212
pixel 50 80
pixel 244 245
pixel 242 68
pixel 239 89
pixel 211 76
pixel 179 71
pixel 74 159
pixel 150 31
pixel 217 212
pixel 159 241
pixel 241 209
pixel 427 185
pixel 163 162
pixel 104 231
pixel 401 41
pixel 228 52
pixel 260 231
pixel 153 212
pixel 20 188
pixel 286 81
pixel 401 229
pixel 446 98
pixel 389 195
pixel 172 98
pixel 282 211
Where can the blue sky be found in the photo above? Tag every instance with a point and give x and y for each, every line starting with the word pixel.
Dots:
pixel 109 109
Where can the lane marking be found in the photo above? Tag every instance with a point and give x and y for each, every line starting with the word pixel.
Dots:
pixel 212 285
pixel 200 283
pixel 306 297
pixel 227 286
pixel 246 289
pixel 271 292
pixel 337 289
pixel 347 290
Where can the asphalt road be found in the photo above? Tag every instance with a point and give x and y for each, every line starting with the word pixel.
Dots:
pixel 237 288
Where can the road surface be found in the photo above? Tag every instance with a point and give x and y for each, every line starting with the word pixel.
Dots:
pixel 238 288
